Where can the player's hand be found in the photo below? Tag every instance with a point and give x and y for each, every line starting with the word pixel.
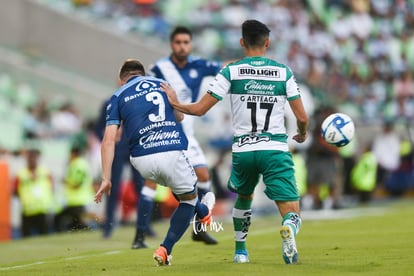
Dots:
pixel 299 138
pixel 171 94
pixel 104 188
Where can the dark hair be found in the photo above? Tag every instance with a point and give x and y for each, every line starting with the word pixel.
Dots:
pixel 131 67
pixel 254 33
pixel 180 30
pixel 33 151
pixel 77 150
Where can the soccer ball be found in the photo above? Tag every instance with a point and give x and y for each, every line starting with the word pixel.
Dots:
pixel 338 129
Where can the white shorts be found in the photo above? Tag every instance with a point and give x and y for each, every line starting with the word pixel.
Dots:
pixel 195 153
pixel 171 168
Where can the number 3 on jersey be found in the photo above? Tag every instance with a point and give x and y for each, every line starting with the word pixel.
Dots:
pixel 265 109
pixel 157 99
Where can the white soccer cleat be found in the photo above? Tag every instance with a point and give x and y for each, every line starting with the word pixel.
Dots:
pixel 289 251
pixel 209 199
pixel 241 257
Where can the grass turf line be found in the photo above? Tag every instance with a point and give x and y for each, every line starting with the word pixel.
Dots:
pixel 372 243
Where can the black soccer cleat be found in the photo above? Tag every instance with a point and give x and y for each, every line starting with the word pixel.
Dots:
pixel 139 241
pixel 204 237
pixel 139 245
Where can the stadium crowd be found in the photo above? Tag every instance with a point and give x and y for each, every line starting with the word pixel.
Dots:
pixel 354 55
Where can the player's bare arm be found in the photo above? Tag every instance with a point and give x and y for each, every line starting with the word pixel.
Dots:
pixel 302 119
pixel 179 116
pixel 199 108
pixel 107 152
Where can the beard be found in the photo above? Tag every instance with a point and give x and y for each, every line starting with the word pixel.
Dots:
pixel 181 56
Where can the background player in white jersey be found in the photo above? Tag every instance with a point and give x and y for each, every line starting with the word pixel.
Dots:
pixel 259 88
pixel 156 144
pixel 185 73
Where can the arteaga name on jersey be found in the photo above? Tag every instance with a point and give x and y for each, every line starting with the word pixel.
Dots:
pixel 259 99
pixel 259 72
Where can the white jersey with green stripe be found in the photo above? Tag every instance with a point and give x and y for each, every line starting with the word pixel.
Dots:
pixel 258 88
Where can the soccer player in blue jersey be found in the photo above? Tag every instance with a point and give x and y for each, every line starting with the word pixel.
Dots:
pixel 156 143
pixel 185 73
pixel 258 88
pixel 121 158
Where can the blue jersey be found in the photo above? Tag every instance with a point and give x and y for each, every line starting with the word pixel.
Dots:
pixel 147 117
pixel 186 81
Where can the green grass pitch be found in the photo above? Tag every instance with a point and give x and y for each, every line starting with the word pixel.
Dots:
pixel 364 241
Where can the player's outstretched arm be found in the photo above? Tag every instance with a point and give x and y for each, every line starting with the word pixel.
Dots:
pixel 104 188
pixel 198 109
pixel 107 157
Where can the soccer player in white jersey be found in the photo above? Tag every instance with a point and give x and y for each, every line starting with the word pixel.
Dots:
pixel 156 144
pixel 258 88
pixel 185 73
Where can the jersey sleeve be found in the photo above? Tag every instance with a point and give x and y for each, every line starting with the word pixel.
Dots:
pixel 155 71
pixel 112 112
pixel 292 88
pixel 212 67
pixel 219 87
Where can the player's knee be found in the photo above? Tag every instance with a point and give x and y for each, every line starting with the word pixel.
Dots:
pixel 187 197
pixel 202 174
pixel 192 202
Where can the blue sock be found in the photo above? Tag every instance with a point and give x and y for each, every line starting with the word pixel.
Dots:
pixel 145 206
pixel 201 192
pixel 201 210
pixel 179 223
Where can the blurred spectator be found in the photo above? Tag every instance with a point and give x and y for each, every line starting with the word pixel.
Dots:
pixel 93 150
pixel 322 165
pixel 301 172
pixel 78 190
pixel 33 186
pixel 65 122
pixel 298 59
pixel 386 148
pixel 361 20
pixel 364 175
pixel 36 123
pixel 401 180
pixel 404 93
pixel 348 154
